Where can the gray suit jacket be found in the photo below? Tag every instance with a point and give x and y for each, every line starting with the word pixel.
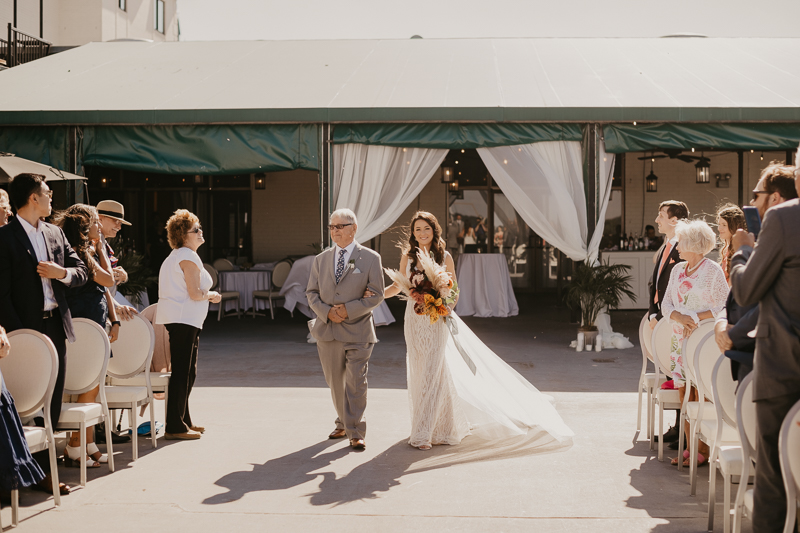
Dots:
pixel 363 271
pixel 769 274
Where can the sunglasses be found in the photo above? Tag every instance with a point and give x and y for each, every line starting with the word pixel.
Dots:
pixel 338 226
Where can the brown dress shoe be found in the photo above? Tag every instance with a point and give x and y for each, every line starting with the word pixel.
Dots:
pixel 198 429
pixel 358 444
pixel 337 434
pixel 46 485
pixel 189 435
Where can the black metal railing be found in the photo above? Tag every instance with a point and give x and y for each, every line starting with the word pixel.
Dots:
pixel 21 48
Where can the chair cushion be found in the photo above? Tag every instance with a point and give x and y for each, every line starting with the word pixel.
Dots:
pixel 36 437
pixel 650 379
pixel 158 380
pixel 730 436
pixel 730 460
pixel 75 413
pixel 229 295
pixel 669 398
pixel 125 395
pixel 709 413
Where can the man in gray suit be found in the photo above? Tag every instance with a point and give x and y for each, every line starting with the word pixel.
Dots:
pixel 346 284
pixel 768 273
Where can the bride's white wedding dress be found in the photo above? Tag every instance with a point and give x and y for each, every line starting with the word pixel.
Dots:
pixel 448 401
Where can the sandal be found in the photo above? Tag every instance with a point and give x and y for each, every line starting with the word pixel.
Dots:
pixel 93 450
pixel 424 447
pixel 72 458
pixel 674 461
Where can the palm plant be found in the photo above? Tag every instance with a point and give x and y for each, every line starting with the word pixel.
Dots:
pixel 595 287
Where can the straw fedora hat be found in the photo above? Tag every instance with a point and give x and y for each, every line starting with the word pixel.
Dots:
pixel 112 209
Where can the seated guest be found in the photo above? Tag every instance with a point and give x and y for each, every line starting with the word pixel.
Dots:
pixel 5 208
pixel 697 290
pixel 81 225
pixel 729 218
pixel 183 297
pixel 654 242
pixel 17 467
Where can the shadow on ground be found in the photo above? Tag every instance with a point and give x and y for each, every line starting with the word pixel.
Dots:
pixel 378 475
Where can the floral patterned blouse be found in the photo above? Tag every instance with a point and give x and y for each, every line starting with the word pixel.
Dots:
pixel 705 289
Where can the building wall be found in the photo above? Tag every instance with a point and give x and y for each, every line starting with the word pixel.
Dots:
pixel 286 215
pixel 27 16
pixel 676 181
pixel 78 22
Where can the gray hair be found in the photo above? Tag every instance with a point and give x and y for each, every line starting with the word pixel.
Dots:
pixel 346 214
pixel 4 198
pixel 695 236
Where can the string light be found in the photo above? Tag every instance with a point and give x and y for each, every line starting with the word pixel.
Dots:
pixel 692 149
pixel 462 150
pixel 505 161
pixel 751 151
pixel 634 122
pixel 762 156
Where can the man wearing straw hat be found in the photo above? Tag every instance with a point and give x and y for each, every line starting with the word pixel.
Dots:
pixel 112 217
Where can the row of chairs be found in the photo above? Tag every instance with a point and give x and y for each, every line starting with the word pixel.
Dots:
pixel 723 418
pixel 277 279
pixel 125 383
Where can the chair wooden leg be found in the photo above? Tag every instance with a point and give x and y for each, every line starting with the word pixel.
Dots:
pixel 271 307
pixel 152 423
pixel 639 407
pixel 14 508
pixel 712 494
pixel 219 311
pixel 660 431
pixel 693 463
pixel 238 309
pixel 83 453
pixel 726 509
pixel 54 470
pixel 109 442
pixel 132 415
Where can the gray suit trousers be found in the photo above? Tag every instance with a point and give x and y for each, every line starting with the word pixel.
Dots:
pixel 345 367
pixel 769 494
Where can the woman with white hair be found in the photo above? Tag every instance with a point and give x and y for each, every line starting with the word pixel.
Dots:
pixel 697 290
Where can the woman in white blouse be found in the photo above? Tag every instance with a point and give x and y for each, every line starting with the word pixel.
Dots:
pixel 697 290
pixel 183 297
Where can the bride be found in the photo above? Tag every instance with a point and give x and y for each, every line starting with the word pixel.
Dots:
pixel 449 397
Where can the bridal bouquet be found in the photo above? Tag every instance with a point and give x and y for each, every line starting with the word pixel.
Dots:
pixel 432 290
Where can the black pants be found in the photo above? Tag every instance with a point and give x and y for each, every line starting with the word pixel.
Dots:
pixel 54 329
pixel 769 494
pixel 183 343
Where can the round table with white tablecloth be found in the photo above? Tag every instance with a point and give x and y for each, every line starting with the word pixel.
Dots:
pixel 485 286
pixel 244 282
pixel 294 290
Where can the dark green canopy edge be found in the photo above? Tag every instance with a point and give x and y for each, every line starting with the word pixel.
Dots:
pixel 209 150
pixel 410 114
pixel 621 138
pixel 452 136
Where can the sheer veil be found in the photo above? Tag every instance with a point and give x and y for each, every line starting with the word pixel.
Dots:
pixel 498 401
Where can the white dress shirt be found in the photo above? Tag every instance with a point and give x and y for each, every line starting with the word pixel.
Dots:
pixel 36 236
pixel 348 251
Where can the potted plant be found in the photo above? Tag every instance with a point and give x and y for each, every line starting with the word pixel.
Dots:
pixel 594 288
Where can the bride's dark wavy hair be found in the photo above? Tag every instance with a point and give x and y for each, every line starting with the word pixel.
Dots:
pixel 409 248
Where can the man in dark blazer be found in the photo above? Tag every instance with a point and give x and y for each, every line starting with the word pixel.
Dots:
pixel 768 273
pixel 732 331
pixel 670 213
pixel 37 265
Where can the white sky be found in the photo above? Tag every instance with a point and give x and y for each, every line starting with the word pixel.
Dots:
pixel 206 20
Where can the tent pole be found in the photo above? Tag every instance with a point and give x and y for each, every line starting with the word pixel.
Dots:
pixel 325 182
pixel 740 155
pixel 591 167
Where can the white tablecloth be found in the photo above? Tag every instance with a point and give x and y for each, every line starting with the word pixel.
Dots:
pixel 485 286
pixel 245 282
pixel 294 290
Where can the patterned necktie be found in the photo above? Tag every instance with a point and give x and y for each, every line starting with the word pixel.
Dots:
pixel 340 266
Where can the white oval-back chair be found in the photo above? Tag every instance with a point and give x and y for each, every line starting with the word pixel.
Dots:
pixel 30 372
pixel 132 354
pixel 87 360
pixel 789 453
pixel 746 425
pixel 665 398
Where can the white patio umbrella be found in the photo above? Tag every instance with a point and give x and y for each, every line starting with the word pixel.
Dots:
pixel 11 165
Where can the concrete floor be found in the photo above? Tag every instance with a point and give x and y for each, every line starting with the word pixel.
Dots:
pixel 265 460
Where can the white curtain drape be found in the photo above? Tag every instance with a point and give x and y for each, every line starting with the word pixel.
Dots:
pixel 544 183
pixel 606 163
pixel 379 182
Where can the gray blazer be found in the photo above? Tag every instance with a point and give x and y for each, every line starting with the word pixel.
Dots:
pixel 363 271
pixel 769 274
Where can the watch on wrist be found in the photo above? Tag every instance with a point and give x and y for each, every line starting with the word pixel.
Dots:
pixel 116 323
